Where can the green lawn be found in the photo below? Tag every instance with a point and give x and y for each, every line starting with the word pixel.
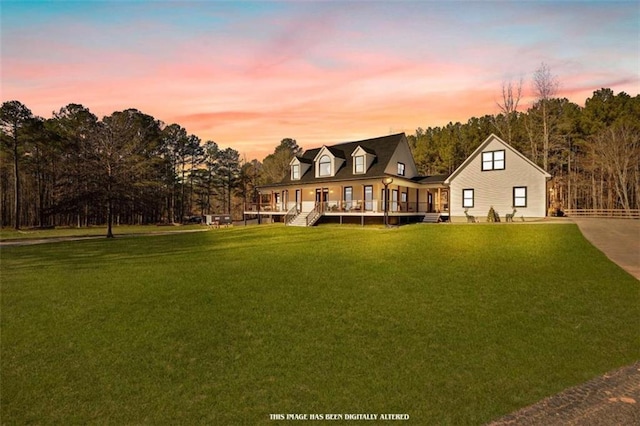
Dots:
pixel 451 324
pixel 10 234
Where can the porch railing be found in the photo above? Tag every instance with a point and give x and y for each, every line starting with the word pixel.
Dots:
pixel 611 213
pixel 359 206
pixel 263 207
pixel 377 205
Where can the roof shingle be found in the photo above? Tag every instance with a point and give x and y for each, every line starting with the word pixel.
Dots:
pixel 382 147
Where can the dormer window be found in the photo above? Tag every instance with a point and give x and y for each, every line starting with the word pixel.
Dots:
pixel 400 169
pixel 324 166
pixel 358 164
pixel 362 160
pixel 299 166
pixel 327 162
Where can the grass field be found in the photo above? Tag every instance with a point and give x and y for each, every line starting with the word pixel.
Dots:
pixel 451 324
pixel 9 234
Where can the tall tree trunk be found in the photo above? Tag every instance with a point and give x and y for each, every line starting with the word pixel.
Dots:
pixel 109 203
pixel 16 179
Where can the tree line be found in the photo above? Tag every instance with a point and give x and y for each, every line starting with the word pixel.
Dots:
pixel 591 152
pixel 74 169
pixel 127 168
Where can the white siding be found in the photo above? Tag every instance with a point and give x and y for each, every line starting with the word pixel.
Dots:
pixel 495 187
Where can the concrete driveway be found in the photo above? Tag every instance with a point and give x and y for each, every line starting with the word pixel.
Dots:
pixel 618 239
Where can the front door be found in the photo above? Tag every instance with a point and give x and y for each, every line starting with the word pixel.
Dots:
pixel 322 196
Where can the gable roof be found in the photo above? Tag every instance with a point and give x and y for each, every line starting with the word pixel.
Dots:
pixel 382 147
pixel 482 146
pixel 363 149
pixel 335 152
pixel 301 160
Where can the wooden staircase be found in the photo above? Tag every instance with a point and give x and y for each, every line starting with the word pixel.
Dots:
pixel 431 218
pixel 305 219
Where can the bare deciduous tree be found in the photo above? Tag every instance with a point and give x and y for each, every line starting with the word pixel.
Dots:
pixel 617 149
pixel 545 86
pixel 508 108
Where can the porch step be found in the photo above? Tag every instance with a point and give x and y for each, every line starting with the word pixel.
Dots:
pixel 431 217
pixel 300 219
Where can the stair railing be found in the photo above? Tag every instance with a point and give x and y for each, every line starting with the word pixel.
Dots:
pixel 291 214
pixel 314 214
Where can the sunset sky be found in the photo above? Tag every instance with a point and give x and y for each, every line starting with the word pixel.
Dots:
pixel 248 74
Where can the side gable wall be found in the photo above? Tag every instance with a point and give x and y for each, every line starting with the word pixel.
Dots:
pixel 495 187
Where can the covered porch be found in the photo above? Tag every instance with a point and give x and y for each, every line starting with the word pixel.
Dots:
pixel 352 199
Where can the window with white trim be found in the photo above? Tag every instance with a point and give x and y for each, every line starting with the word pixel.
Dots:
pixel 400 169
pixel 295 172
pixel 358 164
pixel 519 196
pixel 493 160
pixel 324 166
pixel 467 198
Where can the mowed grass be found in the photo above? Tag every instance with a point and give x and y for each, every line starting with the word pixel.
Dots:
pixel 10 234
pixel 451 324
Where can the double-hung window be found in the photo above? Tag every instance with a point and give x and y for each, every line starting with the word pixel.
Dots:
pixel 400 169
pixel 519 196
pixel 295 172
pixel 493 160
pixel 467 198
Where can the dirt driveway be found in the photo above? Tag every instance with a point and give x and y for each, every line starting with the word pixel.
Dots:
pixel 618 239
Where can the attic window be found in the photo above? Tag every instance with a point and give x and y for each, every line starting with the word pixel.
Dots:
pixel 295 172
pixel 493 160
pixel 324 166
pixel 359 164
pixel 400 169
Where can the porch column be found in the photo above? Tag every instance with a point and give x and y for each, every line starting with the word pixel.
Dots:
pixel 439 202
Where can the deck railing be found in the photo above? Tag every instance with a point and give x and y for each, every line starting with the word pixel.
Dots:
pixel 611 213
pixel 262 207
pixel 377 205
pixel 351 207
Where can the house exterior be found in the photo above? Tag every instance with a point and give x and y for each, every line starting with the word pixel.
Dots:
pixel 376 181
pixel 496 175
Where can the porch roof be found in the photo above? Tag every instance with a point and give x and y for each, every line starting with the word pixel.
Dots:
pixel 435 179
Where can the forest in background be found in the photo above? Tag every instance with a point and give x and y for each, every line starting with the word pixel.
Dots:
pixel 591 152
pixel 74 169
